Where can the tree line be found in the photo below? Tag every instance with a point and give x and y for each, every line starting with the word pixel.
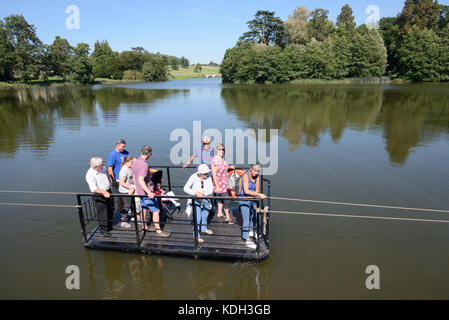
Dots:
pixel 23 56
pixel 414 46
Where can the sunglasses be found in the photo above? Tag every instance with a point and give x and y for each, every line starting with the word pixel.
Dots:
pixel 206 143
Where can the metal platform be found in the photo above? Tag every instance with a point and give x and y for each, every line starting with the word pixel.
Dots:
pixel 225 244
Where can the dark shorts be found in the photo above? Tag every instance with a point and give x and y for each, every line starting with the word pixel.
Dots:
pixel 226 203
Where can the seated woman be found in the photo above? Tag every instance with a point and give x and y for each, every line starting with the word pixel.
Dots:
pixel 161 192
pixel 200 185
pixel 249 186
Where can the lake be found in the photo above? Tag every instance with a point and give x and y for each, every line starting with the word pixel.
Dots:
pixel 377 144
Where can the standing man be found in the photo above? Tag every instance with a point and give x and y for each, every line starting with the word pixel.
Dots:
pixel 144 189
pixel 205 154
pixel 115 160
pixel 99 183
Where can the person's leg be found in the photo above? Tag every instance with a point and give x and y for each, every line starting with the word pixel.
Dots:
pixel 204 216
pixel 110 212
pixel 198 217
pixel 228 218
pixel 126 207
pixel 244 209
pixel 220 209
pixel 102 216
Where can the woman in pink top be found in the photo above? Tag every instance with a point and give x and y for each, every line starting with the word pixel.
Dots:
pixel 220 178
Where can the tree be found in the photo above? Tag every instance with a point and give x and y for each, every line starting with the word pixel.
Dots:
pixel 296 25
pixel 419 13
pixel 267 29
pixel 443 17
pixel 420 55
pixel 60 53
pixel 6 55
pixel 197 68
pixel 346 18
pixel 100 57
pixel 131 60
pixel 239 63
pixel 27 46
pixel 389 29
pixel 155 69
pixel 139 50
pixel 319 27
pixel 132 75
pixel 368 53
pixel 81 65
pixel 184 62
pixel 173 62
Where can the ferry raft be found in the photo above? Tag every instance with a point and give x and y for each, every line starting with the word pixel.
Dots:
pixel 225 244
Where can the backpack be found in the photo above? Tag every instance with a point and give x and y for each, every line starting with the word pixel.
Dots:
pixel 234 182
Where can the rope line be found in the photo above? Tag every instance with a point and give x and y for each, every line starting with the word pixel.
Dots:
pixel 356 216
pixel 360 204
pixel 38 192
pixel 38 205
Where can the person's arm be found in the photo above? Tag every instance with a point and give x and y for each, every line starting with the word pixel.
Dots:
pixel 94 188
pixel 208 186
pixel 260 195
pixel 188 162
pixel 214 175
pixel 125 185
pixel 143 185
pixel 188 186
pixel 111 164
pixel 249 192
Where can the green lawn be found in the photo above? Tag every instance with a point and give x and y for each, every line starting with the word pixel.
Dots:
pixel 188 73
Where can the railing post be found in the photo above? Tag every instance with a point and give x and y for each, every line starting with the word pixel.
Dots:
pixel 195 226
pixel 81 217
pixel 257 231
pixel 136 224
pixel 267 242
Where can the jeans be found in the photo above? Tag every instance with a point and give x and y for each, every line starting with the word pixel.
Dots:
pixel 248 211
pixel 201 217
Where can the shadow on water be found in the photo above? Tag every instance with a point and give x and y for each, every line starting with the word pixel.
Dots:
pixel 407 116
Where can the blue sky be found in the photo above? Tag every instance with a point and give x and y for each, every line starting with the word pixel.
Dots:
pixel 200 30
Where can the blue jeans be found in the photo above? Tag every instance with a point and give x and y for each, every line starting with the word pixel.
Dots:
pixel 201 217
pixel 248 211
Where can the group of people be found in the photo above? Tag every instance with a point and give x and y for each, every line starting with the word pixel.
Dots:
pixel 128 175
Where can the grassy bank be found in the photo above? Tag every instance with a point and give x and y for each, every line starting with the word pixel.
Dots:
pixel 188 73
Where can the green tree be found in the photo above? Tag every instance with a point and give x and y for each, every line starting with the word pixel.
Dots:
pixel 6 55
pixel 101 57
pixel 173 62
pixel 319 27
pixel 296 25
pixel 197 68
pixel 419 13
pixel 239 63
pixel 369 55
pixel 27 46
pixel 81 65
pixel 420 55
pixel 267 29
pixel 184 62
pixel 131 60
pixel 389 29
pixel 443 17
pixel 346 18
pixel 155 69
pixel 60 53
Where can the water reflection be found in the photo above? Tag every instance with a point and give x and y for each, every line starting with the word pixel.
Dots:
pixel 30 116
pixel 406 117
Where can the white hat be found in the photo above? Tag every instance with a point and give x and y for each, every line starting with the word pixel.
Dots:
pixel 203 168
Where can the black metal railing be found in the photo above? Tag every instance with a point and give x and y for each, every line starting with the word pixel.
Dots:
pixel 88 214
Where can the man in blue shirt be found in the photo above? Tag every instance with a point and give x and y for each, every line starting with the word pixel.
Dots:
pixel 205 154
pixel 116 158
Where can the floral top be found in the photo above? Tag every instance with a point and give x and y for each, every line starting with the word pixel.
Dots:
pixel 222 175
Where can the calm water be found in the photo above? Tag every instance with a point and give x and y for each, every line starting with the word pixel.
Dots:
pixel 380 144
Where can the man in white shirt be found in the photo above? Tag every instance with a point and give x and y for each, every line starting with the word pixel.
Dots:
pixel 99 183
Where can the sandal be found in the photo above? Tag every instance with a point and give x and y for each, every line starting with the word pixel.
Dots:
pixel 162 233
pixel 220 216
pixel 200 240
pixel 208 231
pixel 229 221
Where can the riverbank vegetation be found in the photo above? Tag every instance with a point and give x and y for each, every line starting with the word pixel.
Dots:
pixel 26 61
pixel 414 46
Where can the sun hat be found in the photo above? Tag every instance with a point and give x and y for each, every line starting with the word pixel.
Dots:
pixel 203 168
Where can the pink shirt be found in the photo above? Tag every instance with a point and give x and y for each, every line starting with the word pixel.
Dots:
pixel 140 169
pixel 222 175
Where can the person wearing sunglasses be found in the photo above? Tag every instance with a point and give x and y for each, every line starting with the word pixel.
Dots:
pixel 200 185
pixel 204 154
pixel 221 182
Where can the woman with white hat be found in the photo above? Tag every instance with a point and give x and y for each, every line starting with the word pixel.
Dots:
pixel 200 185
